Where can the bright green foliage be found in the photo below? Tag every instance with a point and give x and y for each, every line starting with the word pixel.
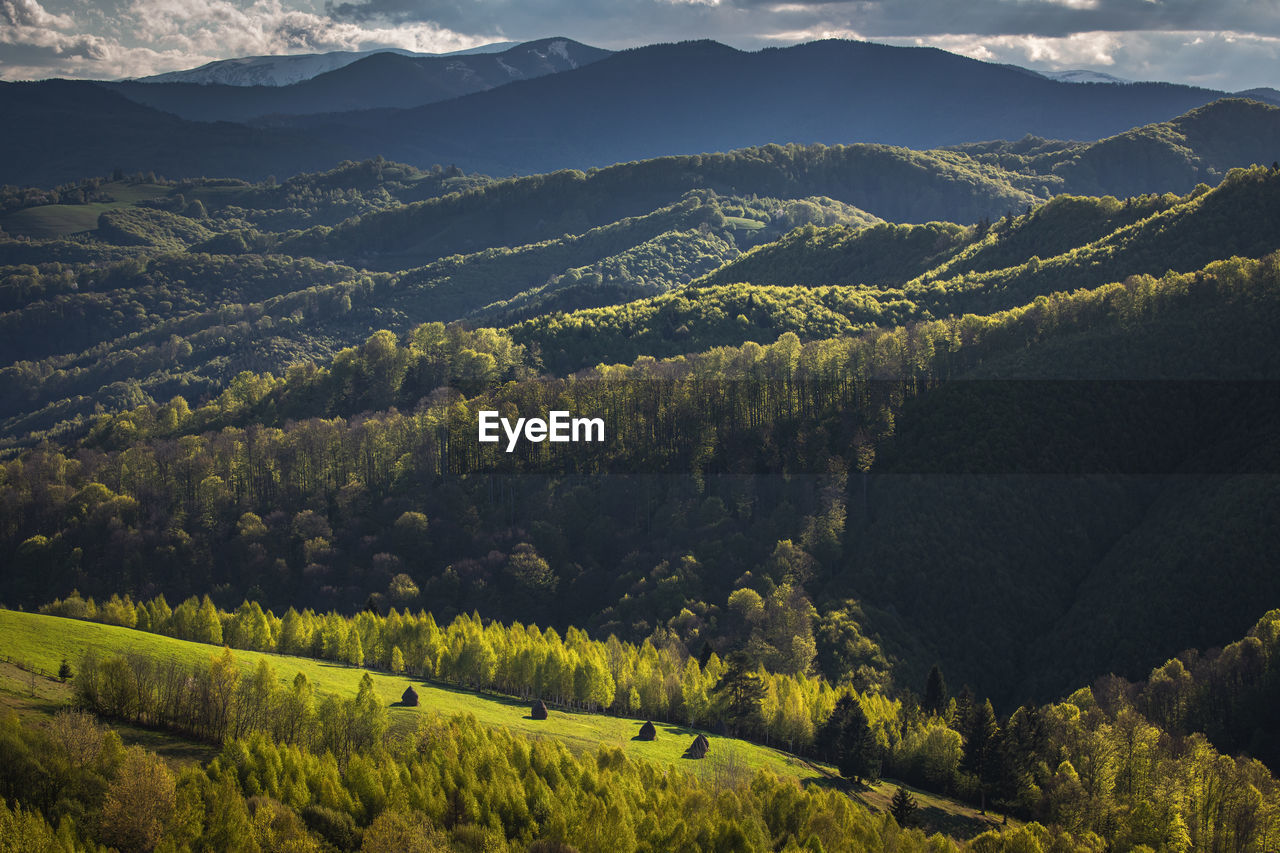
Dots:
pixel 577 672
pixel 692 319
pixel 1094 763
pixel 449 785
pixel 879 256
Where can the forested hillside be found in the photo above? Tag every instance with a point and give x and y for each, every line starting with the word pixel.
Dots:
pixel 177 317
pixel 242 496
pixel 926 464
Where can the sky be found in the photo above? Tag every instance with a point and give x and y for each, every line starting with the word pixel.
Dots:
pixel 1221 44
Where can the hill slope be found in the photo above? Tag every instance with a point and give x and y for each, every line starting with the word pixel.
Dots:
pixel 45 144
pixel 45 641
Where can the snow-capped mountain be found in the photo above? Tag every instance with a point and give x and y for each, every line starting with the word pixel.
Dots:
pixel 287 70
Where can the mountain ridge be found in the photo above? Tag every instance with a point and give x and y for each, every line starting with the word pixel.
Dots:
pixel 659 100
pixel 287 69
pixel 811 93
pixel 382 79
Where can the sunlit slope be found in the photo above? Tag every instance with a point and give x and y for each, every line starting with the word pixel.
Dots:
pixel 44 641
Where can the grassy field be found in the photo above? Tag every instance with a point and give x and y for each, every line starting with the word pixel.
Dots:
pixel 44 641
pixel 739 223
pixel 58 220
pixel 35 697
pixel 936 813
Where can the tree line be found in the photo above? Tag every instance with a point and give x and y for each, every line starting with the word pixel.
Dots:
pixel 659 681
pixel 1092 766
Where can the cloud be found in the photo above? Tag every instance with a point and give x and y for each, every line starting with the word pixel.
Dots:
pixel 269 27
pixel 152 36
pixel 1215 60
pixel 28 13
pixel 1230 44
pixel 603 22
pixel 1091 50
pixel 1048 18
pixel 27 24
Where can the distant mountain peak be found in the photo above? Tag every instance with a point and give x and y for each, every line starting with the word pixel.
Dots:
pixel 1263 93
pixel 1083 75
pixel 285 70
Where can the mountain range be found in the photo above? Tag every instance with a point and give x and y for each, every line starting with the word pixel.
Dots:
pixel 1080 75
pixel 385 79
pixel 294 68
pixel 686 98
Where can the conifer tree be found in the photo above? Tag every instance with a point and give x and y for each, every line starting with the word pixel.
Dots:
pixel 846 740
pixel 981 733
pixel 935 692
pixel 903 807
pixel 741 690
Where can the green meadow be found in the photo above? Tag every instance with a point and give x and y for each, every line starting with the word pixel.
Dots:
pixel 50 221
pixel 43 642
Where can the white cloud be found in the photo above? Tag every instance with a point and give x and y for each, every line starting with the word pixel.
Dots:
pixel 812 34
pixel 165 35
pixel 1228 61
pixel 27 24
pixel 29 13
pixel 1075 4
pixel 267 26
pixel 1053 54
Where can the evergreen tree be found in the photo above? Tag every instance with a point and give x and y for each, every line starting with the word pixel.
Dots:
pixel 964 707
pixel 1019 747
pixel 847 741
pixel 904 806
pixel 741 689
pixel 981 733
pixel 935 692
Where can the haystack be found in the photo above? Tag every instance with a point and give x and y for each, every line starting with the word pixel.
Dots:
pixel 648 732
pixel 539 710
pixel 410 698
pixel 699 747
